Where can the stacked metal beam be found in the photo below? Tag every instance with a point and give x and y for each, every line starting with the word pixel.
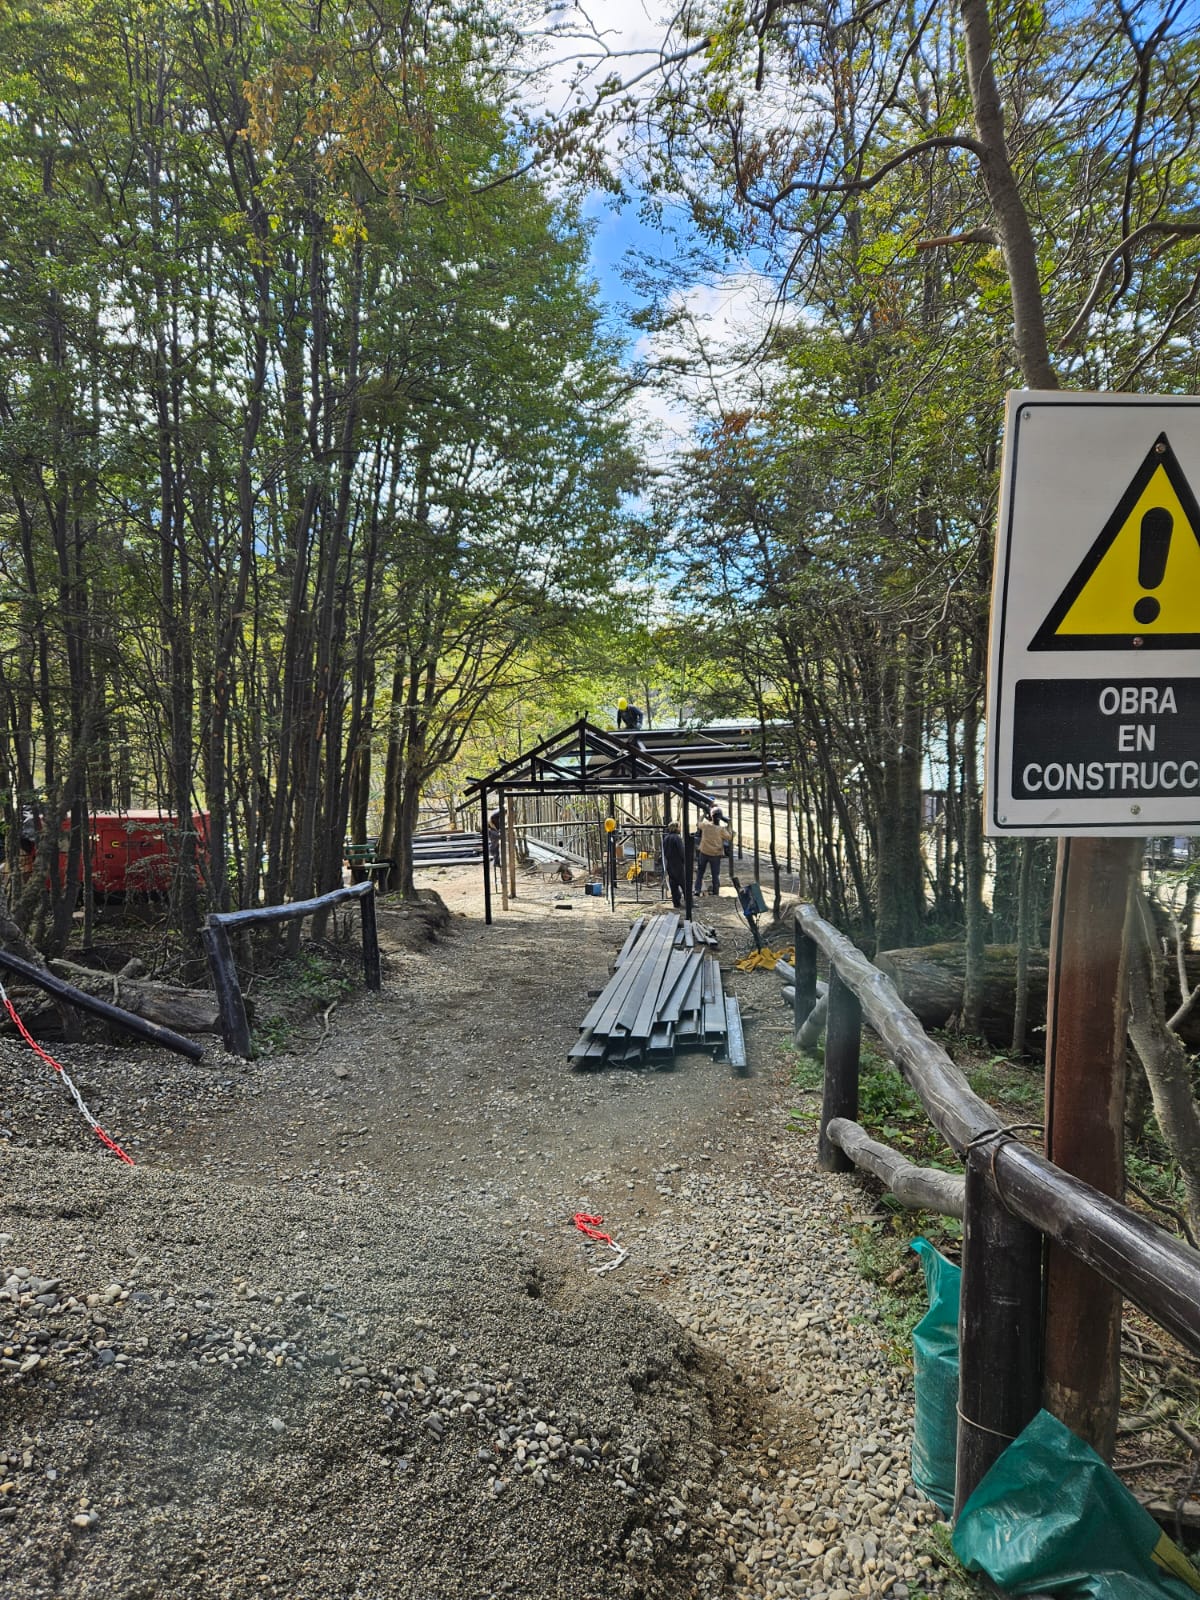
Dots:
pixel 446 849
pixel 665 994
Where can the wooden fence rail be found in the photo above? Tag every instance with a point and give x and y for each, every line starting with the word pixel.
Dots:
pixel 235 1027
pixel 1014 1198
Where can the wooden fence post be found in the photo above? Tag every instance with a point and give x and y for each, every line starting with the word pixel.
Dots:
pixel 372 974
pixel 235 1028
pixel 999 1326
pixel 805 996
pixel 1085 1131
pixel 843 1046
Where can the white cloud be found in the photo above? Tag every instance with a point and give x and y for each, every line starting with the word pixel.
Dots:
pixel 704 360
pixel 708 360
pixel 574 49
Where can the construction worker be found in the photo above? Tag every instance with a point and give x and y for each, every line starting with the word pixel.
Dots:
pixel 675 862
pixel 713 837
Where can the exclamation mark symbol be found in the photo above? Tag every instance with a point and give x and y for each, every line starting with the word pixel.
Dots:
pixel 1152 560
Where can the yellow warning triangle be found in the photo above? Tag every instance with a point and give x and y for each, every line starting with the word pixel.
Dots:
pixel 1139 584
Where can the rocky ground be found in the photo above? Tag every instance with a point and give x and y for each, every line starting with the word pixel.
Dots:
pixel 337 1335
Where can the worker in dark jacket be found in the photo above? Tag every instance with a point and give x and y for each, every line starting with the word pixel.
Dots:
pixel 675 861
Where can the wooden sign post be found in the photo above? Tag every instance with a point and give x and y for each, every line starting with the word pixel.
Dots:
pixel 1093 707
pixel 1085 1103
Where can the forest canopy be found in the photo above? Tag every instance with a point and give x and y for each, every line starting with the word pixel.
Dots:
pixel 310 432
pixel 319 483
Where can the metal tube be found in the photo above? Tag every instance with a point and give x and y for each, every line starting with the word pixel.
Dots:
pixel 689 865
pixel 504 804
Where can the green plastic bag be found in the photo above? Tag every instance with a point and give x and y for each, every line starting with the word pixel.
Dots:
pixel 935 1379
pixel 1051 1518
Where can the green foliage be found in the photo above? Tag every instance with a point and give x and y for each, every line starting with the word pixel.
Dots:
pixel 885 1260
pixel 292 994
pixel 891 1113
pixel 806 1075
pixel 831 529
pixel 311 428
pixel 1155 1181
pixel 1017 1091
pixel 953 1582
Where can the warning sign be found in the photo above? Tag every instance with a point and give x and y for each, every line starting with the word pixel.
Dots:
pixel 1093 714
pixel 1139 584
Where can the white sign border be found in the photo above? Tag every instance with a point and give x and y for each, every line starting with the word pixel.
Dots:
pixel 1004 815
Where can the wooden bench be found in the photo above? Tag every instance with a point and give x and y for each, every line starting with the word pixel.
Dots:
pixel 365 858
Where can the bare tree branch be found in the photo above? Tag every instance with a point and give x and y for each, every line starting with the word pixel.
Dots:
pixel 1174 231
pixel 865 185
pixel 972 236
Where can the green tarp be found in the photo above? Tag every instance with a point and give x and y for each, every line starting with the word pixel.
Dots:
pixel 935 1379
pixel 1050 1518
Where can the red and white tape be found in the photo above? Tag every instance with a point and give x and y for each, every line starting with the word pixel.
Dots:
pixel 104 1138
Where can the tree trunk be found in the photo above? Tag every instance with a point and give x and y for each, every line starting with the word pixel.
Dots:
pixel 187 1011
pixel 1004 196
pixel 1025 929
pixel 972 841
pixel 1166 1065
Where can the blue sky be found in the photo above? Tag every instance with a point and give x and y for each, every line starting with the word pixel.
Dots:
pixel 714 310
pixel 617 231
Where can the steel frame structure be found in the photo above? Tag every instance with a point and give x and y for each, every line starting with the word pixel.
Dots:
pixel 585 760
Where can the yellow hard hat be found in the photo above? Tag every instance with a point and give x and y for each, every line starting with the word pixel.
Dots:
pixel 610 824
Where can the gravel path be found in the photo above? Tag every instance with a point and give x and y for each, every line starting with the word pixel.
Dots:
pixel 336 1335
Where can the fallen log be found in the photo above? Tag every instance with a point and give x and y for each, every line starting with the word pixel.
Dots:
pixel 119 1016
pixel 187 1010
pixel 929 980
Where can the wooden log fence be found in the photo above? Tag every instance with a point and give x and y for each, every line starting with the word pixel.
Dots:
pixel 235 1026
pixel 1014 1198
pixel 843 1047
pixel 924 1188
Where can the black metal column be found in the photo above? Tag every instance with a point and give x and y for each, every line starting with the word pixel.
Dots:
pixel 689 865
pixel 487 857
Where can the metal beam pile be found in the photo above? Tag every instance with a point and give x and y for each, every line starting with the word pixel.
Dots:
pixel 446 849
pixel 665 994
